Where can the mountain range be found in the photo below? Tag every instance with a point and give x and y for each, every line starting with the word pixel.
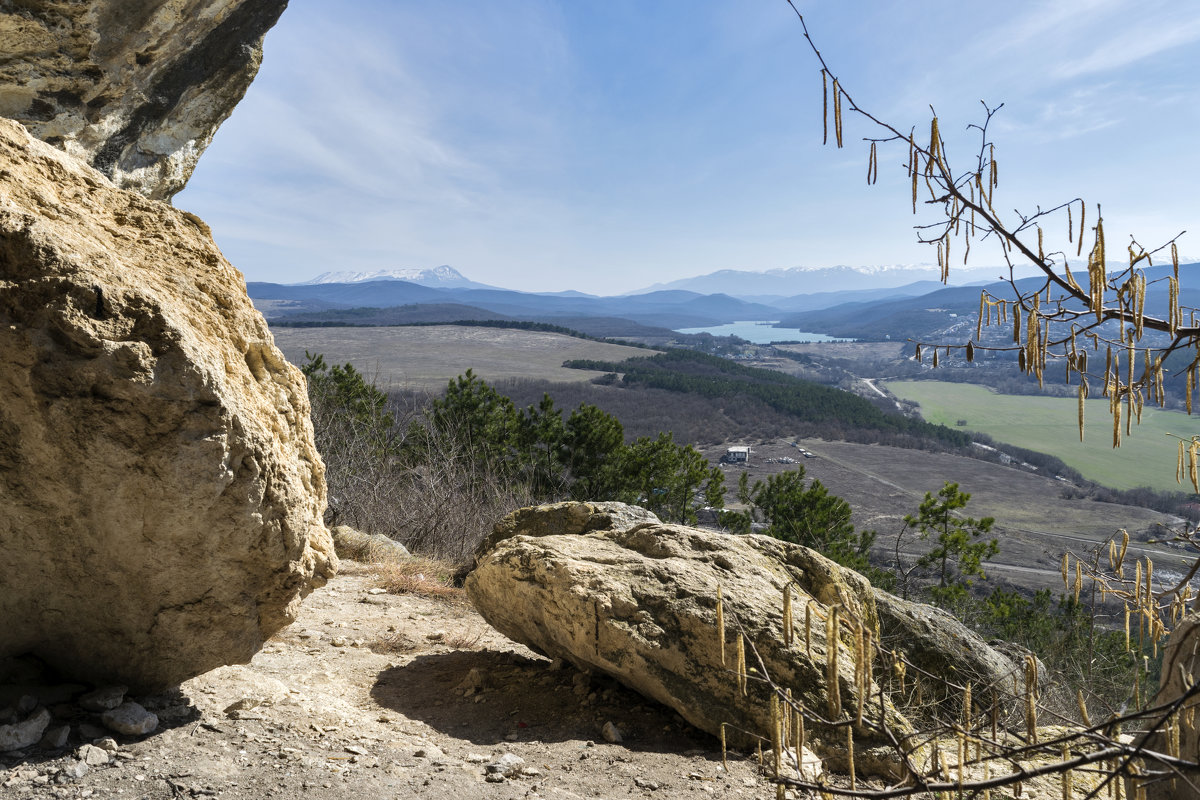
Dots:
pixel 443 294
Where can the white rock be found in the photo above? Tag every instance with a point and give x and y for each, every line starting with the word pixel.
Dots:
pixel 74 770
pixel 107 744
pixel 130 719
pixel 26 733
pixel 508 765
pixel 93 756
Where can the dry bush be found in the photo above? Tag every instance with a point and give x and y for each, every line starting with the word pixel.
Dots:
pixel 425 577
pixel 441 508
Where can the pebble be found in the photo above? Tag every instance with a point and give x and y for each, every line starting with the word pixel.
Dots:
pixel 356 750
pixel 429 751
pixel 104 698
pixel 642 783
pixel 93 756
pixel 108 744
pixel 74 770
pixel 476 758
pixel 507 765
pixel 130 719
pixel 611 733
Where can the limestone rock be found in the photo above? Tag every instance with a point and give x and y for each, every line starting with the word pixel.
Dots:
pixel 366 547
pixel 130 719
pixel 937 643
pixel 553 519
pixel 136 88
pixel 25 733
pixel 162 494
pixel 640 605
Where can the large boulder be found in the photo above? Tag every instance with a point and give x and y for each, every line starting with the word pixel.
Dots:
pixel 640 604
pixel 136 88
pixel 554 519
pixel 161 493
pixel 945 655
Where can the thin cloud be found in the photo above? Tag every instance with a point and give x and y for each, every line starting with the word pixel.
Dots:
pixel 1129 46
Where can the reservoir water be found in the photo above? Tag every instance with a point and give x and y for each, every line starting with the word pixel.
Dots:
pixel 762 332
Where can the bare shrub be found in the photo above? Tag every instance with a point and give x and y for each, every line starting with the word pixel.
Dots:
pixel 425 577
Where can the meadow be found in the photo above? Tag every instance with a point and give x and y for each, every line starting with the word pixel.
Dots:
pixel 1049 425
pixel 425 358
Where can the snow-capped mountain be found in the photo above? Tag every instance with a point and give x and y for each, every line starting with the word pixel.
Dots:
pixel 443 277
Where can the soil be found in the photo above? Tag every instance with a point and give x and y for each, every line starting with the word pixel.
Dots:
pixel 376 695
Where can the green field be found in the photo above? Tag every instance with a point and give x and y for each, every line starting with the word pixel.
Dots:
pixel 1048 425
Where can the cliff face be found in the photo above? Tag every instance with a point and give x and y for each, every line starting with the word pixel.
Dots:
pixel 136 88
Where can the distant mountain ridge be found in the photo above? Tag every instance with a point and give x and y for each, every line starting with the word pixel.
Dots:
pixel 792 281
pixel 444 276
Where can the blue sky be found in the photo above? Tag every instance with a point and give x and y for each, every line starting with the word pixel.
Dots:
pixel 606 145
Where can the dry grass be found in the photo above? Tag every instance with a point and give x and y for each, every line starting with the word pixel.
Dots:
pixel 426 577
pixel 426 357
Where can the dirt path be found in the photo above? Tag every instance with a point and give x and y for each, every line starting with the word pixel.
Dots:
pixel 375 695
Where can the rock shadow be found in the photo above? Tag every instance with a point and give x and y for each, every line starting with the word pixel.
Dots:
pixel 521 699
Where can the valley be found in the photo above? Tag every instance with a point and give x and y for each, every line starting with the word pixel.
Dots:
pixel 1036 519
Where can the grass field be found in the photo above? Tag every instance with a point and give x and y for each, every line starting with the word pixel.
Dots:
pixel 1035 524
pixel 426 357
pixel 1048 425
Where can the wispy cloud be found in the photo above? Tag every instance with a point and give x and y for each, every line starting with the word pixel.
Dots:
pixel 1127 44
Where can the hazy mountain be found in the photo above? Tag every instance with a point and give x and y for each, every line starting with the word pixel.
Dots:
pixel 671 309
pixel 443 277
pixel 812 280
pixel 928 315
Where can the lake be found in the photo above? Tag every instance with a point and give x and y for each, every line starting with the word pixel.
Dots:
pixel 760 332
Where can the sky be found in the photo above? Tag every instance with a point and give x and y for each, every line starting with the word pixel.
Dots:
pixel 608 145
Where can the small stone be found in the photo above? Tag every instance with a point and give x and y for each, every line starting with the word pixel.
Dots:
pixel 24 734
pixel 476 758
pixel 642 783
pixel 494 777
pixel 530 772
pixel 74 770
pixel 611 733
pixel 26 704
pixel 339 641
pixel 56 738
pixel 107 744
pixel 376 590
pixel 436 636
pixel 356 750
pixel 508 765
pixel 512 737
pixel 428 751
pixel 93 756
pixel 130 719
pixel 104 698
